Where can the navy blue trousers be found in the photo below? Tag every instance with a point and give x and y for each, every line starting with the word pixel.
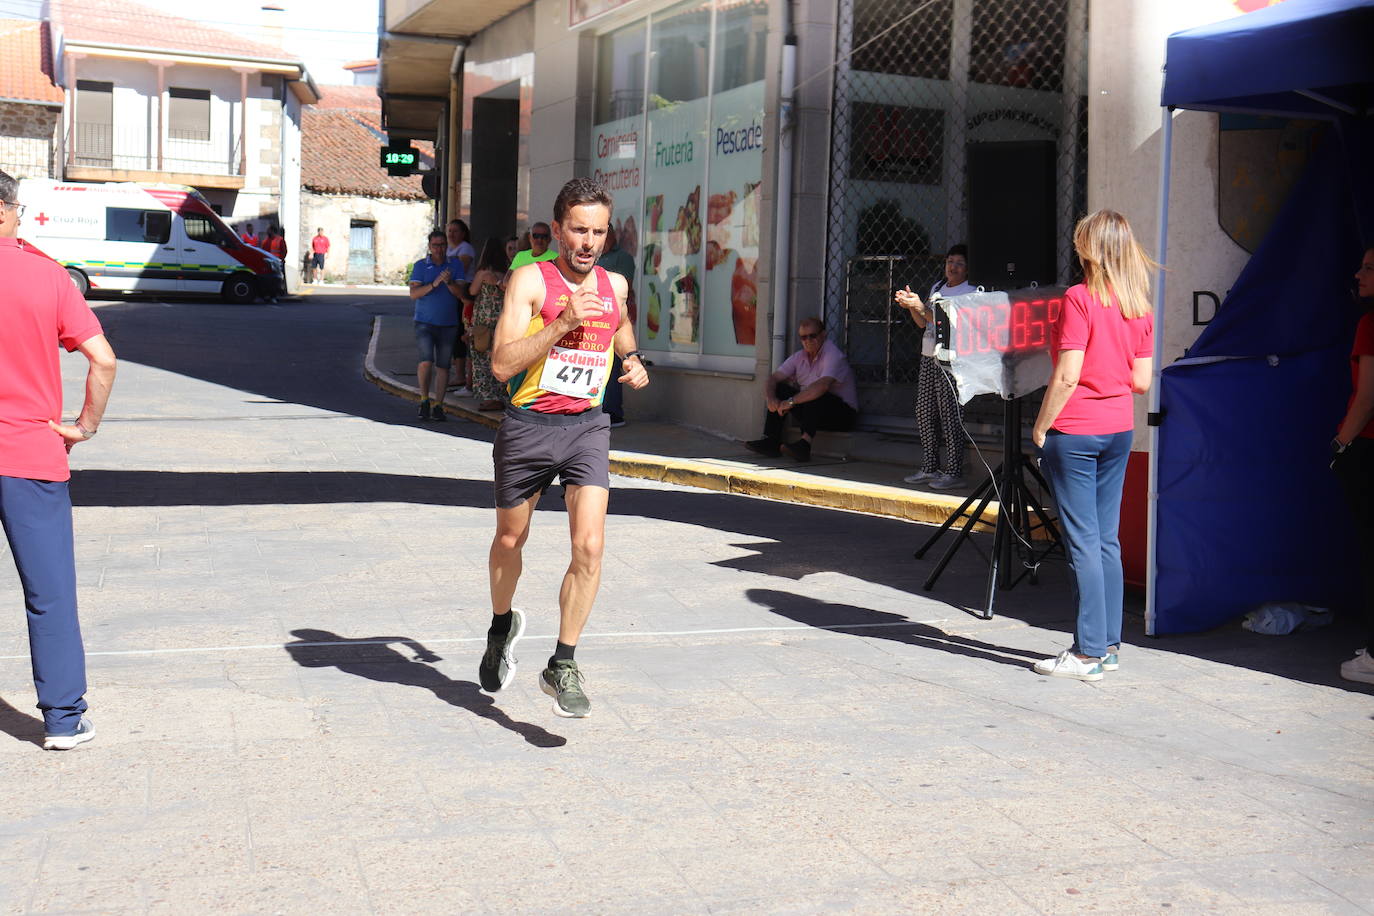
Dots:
pixel 37 516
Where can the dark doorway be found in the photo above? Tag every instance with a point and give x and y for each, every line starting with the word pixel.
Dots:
pixel 1011 213
pixel 495 163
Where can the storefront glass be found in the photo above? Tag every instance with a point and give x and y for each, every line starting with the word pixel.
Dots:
pixel 689 82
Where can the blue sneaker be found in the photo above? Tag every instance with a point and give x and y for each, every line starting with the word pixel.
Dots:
pixel 1110 662
pixel 85 731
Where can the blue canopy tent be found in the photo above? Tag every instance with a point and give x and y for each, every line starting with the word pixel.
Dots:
pixel 1243 508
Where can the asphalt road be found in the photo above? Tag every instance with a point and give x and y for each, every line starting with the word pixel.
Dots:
pixel 283 587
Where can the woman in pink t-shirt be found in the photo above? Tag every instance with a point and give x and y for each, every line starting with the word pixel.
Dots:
pixel 1102 345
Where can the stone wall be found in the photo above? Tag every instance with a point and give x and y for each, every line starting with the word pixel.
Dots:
pixel 28 139
pixel 400 228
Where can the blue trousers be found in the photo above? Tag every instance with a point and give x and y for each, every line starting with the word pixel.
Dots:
pixel 1086 474
pixel 37 517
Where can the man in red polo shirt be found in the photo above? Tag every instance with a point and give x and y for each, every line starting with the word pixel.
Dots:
pixel 40 309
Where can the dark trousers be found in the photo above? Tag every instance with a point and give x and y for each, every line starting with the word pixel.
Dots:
pixel 829 411
pixel 37 517
pixel 613 402
pixel 1355 470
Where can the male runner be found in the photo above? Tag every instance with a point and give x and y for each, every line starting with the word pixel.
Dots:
pixel 559 326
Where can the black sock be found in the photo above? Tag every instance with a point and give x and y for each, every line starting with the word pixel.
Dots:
pixel 562 652
pixel 500 624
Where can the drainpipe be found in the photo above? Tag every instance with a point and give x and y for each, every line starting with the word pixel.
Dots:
pixel 782 220
pixel 453 148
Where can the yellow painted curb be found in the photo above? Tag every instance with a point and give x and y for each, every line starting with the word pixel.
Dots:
pixel 789 487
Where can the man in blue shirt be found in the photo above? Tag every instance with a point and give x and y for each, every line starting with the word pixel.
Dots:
pixel 435 290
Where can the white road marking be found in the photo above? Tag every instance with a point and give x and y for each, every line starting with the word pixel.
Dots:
pixel 463 639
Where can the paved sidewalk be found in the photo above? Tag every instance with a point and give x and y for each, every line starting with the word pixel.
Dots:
pixel 283 593
pixel 869 481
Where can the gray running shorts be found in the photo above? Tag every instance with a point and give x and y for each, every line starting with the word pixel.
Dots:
pixel 533 448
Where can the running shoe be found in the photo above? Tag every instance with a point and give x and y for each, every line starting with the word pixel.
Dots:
pixel 424 409
pixel 1067 664
pixel 436 413
pixel 562 681
pixel 920 477
pixel 85 731
pixel 947 482
pixel 498 662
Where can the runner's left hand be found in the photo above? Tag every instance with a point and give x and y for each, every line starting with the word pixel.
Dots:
pixel 636 376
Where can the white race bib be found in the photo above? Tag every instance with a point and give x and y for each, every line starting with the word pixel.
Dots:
pixel 574 373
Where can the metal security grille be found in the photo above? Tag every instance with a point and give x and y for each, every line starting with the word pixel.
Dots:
pixel 954 121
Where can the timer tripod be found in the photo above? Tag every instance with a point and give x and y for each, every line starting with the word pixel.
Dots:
pixel 1019 517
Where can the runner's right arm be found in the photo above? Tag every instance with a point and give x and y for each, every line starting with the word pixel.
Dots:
pixel 511 350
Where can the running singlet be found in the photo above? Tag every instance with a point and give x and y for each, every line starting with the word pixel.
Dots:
pixel 571 377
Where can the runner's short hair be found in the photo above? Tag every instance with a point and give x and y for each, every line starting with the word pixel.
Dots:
pixel 581 191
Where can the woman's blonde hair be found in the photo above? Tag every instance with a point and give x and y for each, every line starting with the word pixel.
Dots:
pixel 1113 262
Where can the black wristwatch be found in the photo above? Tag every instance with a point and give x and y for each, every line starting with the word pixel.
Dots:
pixel 633 354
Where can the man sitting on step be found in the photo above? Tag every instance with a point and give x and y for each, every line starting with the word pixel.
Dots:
pixel 816 386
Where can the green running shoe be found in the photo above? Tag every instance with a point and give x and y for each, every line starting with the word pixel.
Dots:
pixel 498 662
pixel 562 681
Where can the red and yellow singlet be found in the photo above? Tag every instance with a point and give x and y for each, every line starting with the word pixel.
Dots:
pixel 571 377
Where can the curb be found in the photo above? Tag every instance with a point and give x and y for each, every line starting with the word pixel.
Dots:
pixel 722 477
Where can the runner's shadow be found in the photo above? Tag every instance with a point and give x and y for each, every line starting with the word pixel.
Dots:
pixel 19 726
pixel 374 659
pixel 862 621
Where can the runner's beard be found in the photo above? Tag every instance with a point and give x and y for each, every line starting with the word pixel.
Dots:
pixel 575 267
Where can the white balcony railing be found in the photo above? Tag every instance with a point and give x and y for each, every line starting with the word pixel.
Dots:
pixel 95 145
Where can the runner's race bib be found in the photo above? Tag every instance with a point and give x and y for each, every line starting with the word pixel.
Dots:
pixel 574 373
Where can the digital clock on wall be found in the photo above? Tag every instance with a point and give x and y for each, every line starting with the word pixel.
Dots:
pixel 997 342
pixel 400 159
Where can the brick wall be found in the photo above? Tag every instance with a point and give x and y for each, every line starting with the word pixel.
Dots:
pixel 28 139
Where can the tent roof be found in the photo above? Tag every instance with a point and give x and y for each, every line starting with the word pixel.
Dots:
pixel 1301 58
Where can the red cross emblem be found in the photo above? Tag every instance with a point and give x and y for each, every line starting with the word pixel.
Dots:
pixel 42 219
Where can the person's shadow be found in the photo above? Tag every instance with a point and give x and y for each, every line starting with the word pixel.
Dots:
pixel 19 726
pixel 867 622
pixel 373 658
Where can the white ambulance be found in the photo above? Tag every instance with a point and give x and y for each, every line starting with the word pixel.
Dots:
pixel 143 238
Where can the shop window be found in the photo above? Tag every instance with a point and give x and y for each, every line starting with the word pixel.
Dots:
pixel 889 38
pixel 741 44
pixel 620 74
pixel 680 44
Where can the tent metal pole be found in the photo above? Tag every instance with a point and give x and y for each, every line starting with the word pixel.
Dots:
pixel 1166 140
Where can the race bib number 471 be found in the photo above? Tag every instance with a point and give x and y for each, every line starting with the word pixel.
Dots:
pixel 574 373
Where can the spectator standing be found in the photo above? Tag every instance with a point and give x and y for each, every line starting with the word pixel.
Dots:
pixel 319 249
pixel 617 260
pixel 1353 462
pixel 936 394
pixel 512 247
pixel 42 311
pixel 459 245
pixel 1102 345
pixel 487 290
pixel 436 289
pixel 249 236
pixel 460 249
pixel 539 249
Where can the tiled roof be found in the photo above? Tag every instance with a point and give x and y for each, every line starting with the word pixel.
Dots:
pixel 120 22
pixel 339 152
pixel 358 98
pixel 26 62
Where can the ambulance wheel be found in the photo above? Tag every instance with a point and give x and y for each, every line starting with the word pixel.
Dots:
pixel 79 280
pixel 240 288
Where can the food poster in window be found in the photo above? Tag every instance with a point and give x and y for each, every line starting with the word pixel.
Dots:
pixel 616 164
pixel 675 166
pixel 730 290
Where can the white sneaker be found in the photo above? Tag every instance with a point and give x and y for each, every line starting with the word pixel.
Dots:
pixel 920 477
pixel 1360 668
pixel 947 482
pixel 463 391
pixel 85 731
pixel 1067 664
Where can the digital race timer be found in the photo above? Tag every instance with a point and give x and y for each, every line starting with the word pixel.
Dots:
pixel 997 342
